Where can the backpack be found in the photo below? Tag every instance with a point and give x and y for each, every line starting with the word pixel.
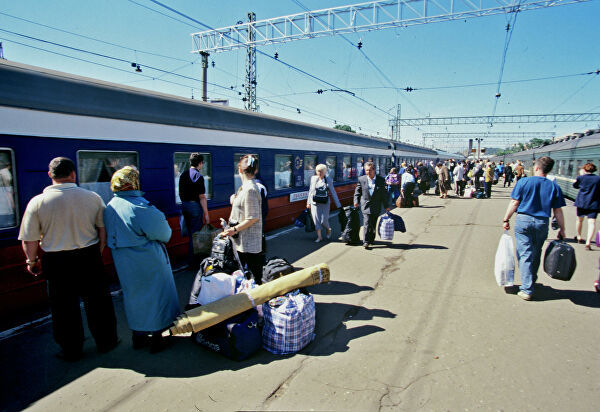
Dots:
pixel 321 194
pixel 276 268
pixel 350 233
pixel 391 179
pixel 207 267
pixel 236 338
pixel 222 251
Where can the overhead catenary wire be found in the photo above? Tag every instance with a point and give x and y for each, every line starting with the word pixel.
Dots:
pixel 271 57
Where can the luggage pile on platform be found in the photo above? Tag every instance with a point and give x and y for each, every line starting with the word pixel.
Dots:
pixel 229 313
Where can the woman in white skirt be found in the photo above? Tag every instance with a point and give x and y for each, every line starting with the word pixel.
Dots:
pixel 321 188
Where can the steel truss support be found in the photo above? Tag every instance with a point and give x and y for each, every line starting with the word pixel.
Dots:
pixel 490 120
pixel 372 15
pixel 250 99
pixel 491 135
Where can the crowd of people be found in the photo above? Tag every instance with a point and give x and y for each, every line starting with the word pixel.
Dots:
pixel 72 226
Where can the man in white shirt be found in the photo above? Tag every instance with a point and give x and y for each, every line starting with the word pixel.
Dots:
pixel 67 222
pixel 459 176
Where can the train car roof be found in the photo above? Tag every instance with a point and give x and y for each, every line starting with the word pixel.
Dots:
pixel 38 88
pixel 573 143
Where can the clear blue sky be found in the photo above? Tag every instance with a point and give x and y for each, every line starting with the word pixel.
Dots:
pixel 557 41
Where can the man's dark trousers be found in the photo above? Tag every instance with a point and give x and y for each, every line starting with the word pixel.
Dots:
pixel 72 275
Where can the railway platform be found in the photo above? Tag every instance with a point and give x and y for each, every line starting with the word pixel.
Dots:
pixel 415 323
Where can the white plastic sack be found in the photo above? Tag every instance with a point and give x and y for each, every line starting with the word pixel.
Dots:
pixel 215 287
pixel 504 267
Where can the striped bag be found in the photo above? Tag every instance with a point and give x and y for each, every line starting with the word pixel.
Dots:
pixel 289 323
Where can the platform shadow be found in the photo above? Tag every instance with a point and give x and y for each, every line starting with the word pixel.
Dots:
pixel 336 287
pixel 587 298
pixel 405 246
pixel 30 372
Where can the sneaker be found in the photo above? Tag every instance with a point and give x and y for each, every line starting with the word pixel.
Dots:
pixel 318 240
pixel 523 295
pixel 328 235
pixel 366 245
pixel 597 286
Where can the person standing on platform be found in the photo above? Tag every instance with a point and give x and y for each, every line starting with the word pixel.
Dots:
pixel 587 202
pixel 136 234
pixel 371 195
pixel 246 219
pixel 488 179
pixel 392 180
pixel 192 193
pixel 443 179
pixel 519 170
pixel 407 186
pixel 534 199
pixel 459 179
pixel 66 221
pixel 321 188
pixel 508 175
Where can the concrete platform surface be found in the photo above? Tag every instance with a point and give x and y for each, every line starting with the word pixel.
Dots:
pixel 413 324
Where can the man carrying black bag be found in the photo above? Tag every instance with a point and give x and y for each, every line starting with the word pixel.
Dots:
pixel 370 193
pixel 533 198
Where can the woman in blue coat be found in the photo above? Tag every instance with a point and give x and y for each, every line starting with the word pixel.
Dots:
pixel 587 201
pixel 136 234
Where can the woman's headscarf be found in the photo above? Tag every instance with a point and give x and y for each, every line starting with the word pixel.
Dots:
pixel 127 178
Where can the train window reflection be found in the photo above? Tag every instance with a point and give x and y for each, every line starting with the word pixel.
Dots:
pixel 310 162
pixel 561 167
pixel 237 180
pixel 95 169
pixel 570 169
pixel 346 168
pixel 360 165
pixel 283 171
pixel 331 162
pixel 181 163
pixel 8 205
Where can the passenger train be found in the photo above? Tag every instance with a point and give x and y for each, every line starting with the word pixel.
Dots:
pixel 569 152
pixel 103 127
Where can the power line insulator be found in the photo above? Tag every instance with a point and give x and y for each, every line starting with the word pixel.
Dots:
pixel 298 110
pixel 213 63
pixel 498 95
pixel 409 89
pixel 359 45
pixel 276 56
pixel 320 91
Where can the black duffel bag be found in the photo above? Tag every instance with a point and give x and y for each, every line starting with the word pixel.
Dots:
pixel 276 268
pixel 351 231
pixel 559 260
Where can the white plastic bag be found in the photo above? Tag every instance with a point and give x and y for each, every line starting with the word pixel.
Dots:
pixel 215 287
pixel 504 267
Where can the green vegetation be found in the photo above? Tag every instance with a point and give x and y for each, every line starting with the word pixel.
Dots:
pixel 344 127
pixel 520 146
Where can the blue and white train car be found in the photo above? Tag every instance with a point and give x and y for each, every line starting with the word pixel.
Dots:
pixel 103 126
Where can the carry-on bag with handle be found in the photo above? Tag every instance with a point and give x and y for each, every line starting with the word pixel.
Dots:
pixel 504 265
pixel 559 260
pixel 385 228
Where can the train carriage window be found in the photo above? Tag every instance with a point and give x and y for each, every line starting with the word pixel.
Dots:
pixel 570 169
pixel 579 166
pixel 561 167
pixel 237 180
pixel 283 171
pixel 95 169
pixel 331 163
pixel 181 163
pixel 360 165
pixel 346 167
pixel 8 205
pixel 310 162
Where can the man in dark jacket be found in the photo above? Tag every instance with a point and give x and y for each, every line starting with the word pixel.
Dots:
pixel 370 193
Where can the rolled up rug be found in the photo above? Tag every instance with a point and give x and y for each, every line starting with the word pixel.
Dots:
pixel 202 317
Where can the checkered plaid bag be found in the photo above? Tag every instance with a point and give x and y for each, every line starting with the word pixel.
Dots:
pixel 386 228
pixel 289 323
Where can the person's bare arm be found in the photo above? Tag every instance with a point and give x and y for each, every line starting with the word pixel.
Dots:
pixel 102 237
pixel 560 219
pixel 30 248
pixel 510 210
pixel 204 205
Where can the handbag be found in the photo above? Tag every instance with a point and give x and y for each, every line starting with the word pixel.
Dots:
pixel 310 224
pixel 321 194
pixel 203 239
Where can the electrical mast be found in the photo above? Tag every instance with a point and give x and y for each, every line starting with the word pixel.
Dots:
pixel 250 100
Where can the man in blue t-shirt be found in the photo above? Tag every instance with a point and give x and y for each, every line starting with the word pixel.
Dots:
pixel 534 198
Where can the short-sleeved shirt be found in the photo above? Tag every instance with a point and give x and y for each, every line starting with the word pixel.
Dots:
pixel 537 196
pixel 247 205
pixel 63 217
pixel 189 190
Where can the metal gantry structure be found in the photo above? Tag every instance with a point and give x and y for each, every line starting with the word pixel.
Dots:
pixel 491 120
pixel 250 85
pixel 372 15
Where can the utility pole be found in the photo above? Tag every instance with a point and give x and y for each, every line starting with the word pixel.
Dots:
pixel 395 124
pixel 250 99
pixel 204 74
pixel 479 140
pixel 2 52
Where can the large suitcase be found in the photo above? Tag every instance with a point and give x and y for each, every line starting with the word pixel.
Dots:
pixel 559 260
pixel 350 234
